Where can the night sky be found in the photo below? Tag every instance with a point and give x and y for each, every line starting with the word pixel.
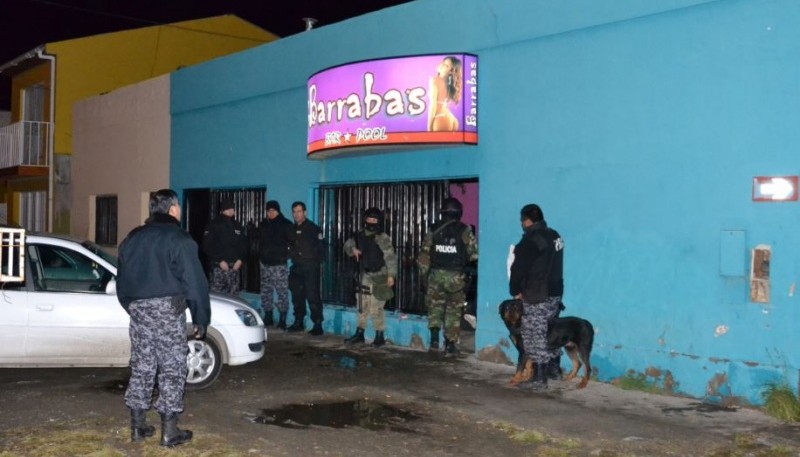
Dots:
pixel 26 24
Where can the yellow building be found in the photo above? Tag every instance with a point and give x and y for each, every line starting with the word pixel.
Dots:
pixel 35 149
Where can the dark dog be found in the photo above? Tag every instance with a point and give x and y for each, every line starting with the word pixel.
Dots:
pixel 574 334
pixel 511 313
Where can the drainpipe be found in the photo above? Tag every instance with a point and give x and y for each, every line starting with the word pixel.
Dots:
pixel 51 137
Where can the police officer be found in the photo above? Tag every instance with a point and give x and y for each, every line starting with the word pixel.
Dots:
pixel 305 250
pixel 273 252
pixel 537 279
pixel 446 251
pixel 377 266
pixel 225 244
pixel 159 275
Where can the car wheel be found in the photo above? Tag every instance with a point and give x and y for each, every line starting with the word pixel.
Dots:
pixel 204 362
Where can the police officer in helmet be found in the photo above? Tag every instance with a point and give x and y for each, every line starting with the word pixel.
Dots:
pixel 447 250
pixel 377 269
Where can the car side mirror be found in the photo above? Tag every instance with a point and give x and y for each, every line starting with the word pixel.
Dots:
pixel 111 287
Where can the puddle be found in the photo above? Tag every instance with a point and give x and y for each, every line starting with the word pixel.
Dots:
pixel 115 387
pixel 346 362
pixel 359 413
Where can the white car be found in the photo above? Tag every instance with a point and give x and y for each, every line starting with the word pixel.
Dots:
pixel 66 314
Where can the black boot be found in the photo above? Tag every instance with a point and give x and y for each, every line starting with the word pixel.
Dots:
pixel 357 338
pixel 171 435
pixel 316 330
pixel 139 429
pixel 379 339
pixel 268 319
pixel 434 339
pixel 539 381
pixel 282 321
pixel 297 325
pixel 554 371
pixel 450 347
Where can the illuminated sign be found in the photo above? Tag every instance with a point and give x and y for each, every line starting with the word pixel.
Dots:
pixel 393 102
pixel 774 188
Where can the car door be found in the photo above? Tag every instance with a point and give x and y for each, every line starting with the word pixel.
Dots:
pixel 13 322
pixel 72 320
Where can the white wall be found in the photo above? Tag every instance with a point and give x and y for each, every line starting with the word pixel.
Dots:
pixel 121 147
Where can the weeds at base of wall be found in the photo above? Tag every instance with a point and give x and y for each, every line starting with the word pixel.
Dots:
pixel 781 403
pixel 637 381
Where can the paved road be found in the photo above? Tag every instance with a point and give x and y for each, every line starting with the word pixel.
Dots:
pixel 312 396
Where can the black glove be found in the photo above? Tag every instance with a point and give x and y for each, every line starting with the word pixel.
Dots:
pixel 199 332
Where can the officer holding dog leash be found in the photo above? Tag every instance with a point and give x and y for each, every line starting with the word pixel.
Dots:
pixel 537 279
pixel 377 266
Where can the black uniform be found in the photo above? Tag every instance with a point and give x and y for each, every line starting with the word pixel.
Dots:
pixel 537 274
pixel 306 250
pixel 273 240
pixel 224 239
pixel 273 252
pixel 537 271
pixel 159 274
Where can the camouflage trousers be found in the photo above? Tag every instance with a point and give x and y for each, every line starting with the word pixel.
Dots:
pixel 225 282
pixel 370 307
pixel 534 329
pixel 158 348
pixel 446 299
pixel 274 288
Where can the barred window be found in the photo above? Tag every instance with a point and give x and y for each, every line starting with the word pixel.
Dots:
pixel 409 208
pixel 105 222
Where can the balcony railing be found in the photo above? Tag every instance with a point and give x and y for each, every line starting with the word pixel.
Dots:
pixel 24 143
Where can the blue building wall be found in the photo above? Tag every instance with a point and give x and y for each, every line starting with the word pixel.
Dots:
pixel 637 126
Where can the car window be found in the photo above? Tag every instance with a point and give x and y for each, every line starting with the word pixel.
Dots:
pixel 61 269
pixel 100 252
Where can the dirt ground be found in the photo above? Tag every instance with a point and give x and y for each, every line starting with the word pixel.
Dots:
pixel 316 397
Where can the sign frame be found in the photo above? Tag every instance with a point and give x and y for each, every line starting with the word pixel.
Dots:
pixel 760 181
pixel 392 103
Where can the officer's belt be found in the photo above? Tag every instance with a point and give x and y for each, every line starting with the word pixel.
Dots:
pixel 364 289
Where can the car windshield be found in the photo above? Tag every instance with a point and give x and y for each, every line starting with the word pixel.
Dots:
pixel 100 252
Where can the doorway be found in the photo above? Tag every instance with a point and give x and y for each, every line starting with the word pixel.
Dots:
pixel 409 209
pixel 202 205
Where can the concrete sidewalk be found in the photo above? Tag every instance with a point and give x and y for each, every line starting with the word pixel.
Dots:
pixel 599 416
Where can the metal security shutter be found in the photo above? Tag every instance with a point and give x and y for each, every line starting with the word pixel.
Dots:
pixel 409 208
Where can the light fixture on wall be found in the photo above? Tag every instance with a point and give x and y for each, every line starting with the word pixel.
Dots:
pixel 310 21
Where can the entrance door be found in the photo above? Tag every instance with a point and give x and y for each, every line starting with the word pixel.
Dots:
pixel 202 205
pixel 409 209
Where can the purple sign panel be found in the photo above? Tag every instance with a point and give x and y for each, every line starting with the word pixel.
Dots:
pixel 400 101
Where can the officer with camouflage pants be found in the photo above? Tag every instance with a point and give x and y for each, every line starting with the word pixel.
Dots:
pixel 273 253
pixel 160 275
pixel 446 250
pixel 537 279
pixel 225 245
pixel 377 265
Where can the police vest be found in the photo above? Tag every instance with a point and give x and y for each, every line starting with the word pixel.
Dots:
pixel 371 254
pixel 549 265
pixel 448 250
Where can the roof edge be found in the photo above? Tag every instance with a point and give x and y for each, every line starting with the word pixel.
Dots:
pixel 21 58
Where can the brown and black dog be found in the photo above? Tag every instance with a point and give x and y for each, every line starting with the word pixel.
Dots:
pixel 574 334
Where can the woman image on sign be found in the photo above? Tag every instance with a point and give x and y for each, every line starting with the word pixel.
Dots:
pixel 444 88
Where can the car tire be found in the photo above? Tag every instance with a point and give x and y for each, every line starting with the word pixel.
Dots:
pixel 204 361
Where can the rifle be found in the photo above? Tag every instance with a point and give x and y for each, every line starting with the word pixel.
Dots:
pixel 360 288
